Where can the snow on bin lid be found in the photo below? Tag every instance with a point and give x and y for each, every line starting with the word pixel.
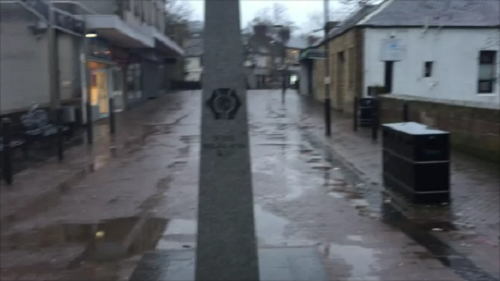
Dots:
pixel 413 128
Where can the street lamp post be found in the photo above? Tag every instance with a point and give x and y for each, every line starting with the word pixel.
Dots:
pixel 327 71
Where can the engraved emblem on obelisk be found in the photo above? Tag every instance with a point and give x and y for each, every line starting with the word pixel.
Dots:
pixel 224 103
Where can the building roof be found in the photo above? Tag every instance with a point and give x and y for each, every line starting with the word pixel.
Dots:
pixel 297 43
pixel 446 13
pixel 352 20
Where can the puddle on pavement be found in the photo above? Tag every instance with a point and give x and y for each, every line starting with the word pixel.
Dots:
pixel 415 221
pixel 448 256
pixel 270 228
pixel 179 234
pixel 107 240
pixel 355 238
pixel 359 261
pixel 99 162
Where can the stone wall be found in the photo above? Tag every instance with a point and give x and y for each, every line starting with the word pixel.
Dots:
pixel 474 128
pixel 346 70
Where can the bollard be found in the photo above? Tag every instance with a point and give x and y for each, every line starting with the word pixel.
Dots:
pixel 328 129
pixel 112 125
pixel 6 153
pixel 355 115
pixel 90 129
pixel 60 136
pixel 375 118
pixel 405 112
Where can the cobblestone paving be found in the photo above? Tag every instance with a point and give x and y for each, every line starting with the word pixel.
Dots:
pixel 475 207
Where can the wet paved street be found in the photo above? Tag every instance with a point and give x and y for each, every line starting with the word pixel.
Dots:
pixel 307 200
pixel 314 218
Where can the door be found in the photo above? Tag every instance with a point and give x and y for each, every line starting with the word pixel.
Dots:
pixel 389 69
pixel 100 92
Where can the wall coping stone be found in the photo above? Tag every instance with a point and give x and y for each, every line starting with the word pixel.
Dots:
pixel 443 101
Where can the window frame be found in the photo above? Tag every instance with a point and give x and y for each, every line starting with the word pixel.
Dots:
pixel 492 56
pixel 431 69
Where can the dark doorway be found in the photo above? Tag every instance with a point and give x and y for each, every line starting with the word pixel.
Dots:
pixel 340 80
pixel 389 67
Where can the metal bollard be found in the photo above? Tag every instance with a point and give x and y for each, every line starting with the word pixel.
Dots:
pixel 355 115
pixel 112 124
pixel 375 118
pixel 6 153
pixel 328 121
pixel 90 129
pixel 60 136
pixel 406 117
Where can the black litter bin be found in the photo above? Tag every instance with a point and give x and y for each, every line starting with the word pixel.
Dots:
pixel 365 110
pixel 416 162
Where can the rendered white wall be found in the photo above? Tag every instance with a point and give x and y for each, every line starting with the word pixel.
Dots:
pixel 455 54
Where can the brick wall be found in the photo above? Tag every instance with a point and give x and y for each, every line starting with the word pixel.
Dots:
pixel 318 79
pixel 475 129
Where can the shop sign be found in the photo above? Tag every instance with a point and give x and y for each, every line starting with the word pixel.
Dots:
pixel 392 49
pixel 120 56
pixel 98 48
pixel 313 54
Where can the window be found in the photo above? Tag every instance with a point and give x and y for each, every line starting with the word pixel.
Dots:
pixel 428 69
pixel 487 72
pixel 134 81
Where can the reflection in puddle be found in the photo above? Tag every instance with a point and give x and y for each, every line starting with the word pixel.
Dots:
pixel 356 238
pixel 107 240
pixel 270 228
pixel 360 261
pixel 358 202
pixel 180 226
pixel 336 194
pixel 179 234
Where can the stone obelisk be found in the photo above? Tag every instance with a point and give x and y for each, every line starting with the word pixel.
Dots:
pixel 226 244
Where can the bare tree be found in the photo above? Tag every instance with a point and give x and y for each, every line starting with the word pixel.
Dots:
pixel 177 12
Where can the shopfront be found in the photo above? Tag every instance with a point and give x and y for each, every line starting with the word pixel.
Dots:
pixel 106 79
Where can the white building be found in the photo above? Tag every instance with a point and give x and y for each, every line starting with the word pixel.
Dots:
pixel 446 50
pixel 194 56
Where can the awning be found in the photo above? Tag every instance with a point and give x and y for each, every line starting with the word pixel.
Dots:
pixel 168 45
pixel 164 44
pixel 312 54
pixel 117 32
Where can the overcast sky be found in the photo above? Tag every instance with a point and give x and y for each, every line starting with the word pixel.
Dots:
pixel 298 10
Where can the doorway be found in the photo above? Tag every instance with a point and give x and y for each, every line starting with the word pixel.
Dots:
pixel 99 93
pixel 340 80
pixel 388 76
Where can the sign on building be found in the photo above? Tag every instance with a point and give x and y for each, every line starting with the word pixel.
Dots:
pixel 392 50
pixel 313 54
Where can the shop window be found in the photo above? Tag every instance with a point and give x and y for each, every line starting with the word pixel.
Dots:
pixel 134 81
pixel 487 71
